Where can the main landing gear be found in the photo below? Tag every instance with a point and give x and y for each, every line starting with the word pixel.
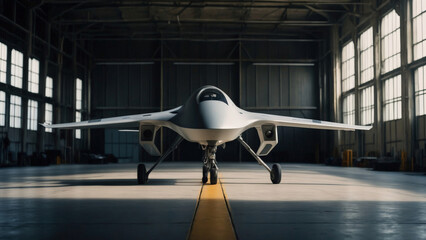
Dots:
pixel 143 174
pixel 209 164
pixel 275 172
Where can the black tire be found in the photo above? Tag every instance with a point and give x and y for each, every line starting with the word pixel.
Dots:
pixel 276 173
pixel 213 176
pixel 205 174
pixel 142 175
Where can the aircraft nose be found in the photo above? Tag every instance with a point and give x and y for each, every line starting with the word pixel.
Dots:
pixel 214 114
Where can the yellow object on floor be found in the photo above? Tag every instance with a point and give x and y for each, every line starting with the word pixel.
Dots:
pixel 347 158
pixel 212 220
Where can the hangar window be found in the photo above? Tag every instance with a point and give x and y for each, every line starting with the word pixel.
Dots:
pixel 349 109
pixel 392 101
pixel 420 90
pixel 15 112
pixel 48 115
pixel 2 108
pixel 78 93
pixel 366 55
pixel 348 67
pixel 78 104
pixel 49 87
pixel 367 105
pixel 33 75
pixel 78 119
pixel 391 42
pixel 3 62
pixel 16 67
pixel 419 29
pixel 32 115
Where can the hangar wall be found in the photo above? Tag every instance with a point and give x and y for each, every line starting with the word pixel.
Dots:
pixel 172 70
pixel 60 58
pixel 403 135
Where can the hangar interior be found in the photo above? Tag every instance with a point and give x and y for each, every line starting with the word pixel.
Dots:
pixel 356 62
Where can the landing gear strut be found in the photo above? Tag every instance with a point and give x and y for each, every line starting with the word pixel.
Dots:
pixel 209 164
pixel 143 174
pixel 275 172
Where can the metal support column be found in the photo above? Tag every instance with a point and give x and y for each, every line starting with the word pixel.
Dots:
pixel 336 80
pixel 378 114
pixel 161 91
pixel 408 114
pixel 74 73
pixel 240 81
pixel 24 99
pixel 57 108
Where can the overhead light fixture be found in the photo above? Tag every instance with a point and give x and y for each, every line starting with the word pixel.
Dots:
pixel 124 63
pixel 204 63
pixel 285 64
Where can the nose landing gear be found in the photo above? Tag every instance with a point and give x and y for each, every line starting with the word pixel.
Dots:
pixel 209 164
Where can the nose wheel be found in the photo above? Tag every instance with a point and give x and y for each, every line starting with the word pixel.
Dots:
pixel 213 176
pixel 205 174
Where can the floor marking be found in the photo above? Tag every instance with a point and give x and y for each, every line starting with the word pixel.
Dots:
pixel 212 218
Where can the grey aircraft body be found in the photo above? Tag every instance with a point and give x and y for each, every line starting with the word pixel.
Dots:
pixel 209 117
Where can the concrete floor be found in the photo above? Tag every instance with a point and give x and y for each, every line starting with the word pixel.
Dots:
pixel 312 202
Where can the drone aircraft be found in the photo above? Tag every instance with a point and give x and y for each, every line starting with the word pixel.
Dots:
pixel 210 118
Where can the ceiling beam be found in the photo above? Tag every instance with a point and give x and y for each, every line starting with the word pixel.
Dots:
pixel 320 12
pixel 60 13
pixel 205 5
pixel 317 2
pixel 197 21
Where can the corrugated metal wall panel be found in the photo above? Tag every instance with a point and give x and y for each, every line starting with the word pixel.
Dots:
pixel 180 81
pixel 393 137
pixel 283 87
pixel 122 90
pixel 279 86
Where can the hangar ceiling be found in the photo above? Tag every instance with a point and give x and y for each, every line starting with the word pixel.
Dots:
pixel 162 19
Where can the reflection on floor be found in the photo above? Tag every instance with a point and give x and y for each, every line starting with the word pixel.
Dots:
pixel 312 202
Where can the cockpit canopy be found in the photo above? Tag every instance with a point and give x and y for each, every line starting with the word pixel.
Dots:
pixel 211 94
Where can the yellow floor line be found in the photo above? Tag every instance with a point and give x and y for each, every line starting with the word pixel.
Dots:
pixel 212 220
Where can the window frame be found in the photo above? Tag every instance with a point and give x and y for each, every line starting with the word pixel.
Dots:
pixel 348 81
pixel 33 75
pixel 78 104
pixel 48 92
pixel 367 106
pixel 392 104
pixel 422 23
pixel 15 121
pixel 420 91
pixel 2 108
pixel 48 115
pixel 364 53
pixel 3 62
pixel 385 40
pixel 348 114
pixel 16 78
pixel 32 115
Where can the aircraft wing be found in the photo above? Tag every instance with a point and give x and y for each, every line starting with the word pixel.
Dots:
pixel 258 119
pixel 129 121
